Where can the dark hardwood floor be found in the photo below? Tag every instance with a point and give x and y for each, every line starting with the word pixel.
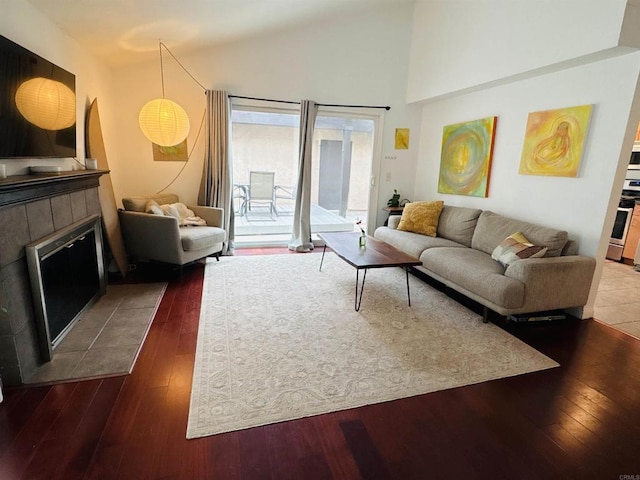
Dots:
pixel 581 420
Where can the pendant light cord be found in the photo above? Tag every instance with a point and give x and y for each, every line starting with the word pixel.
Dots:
pixel 161 68
pixel 181 65
pixel 188 156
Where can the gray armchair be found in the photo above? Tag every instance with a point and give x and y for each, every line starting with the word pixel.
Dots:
pixel 161 238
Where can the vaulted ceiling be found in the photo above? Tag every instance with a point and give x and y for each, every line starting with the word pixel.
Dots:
pixel 122 32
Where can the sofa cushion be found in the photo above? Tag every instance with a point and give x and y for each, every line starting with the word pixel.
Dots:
pixel 197 238
pixel 458 223
pixel 411 243
pixel 516 247
pixel 476 272
pixel 421 217
pixel 493 229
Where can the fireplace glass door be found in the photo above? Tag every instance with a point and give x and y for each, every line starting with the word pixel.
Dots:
pixel 70 280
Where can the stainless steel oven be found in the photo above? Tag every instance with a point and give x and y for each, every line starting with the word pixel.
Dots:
pixel 630 193
pixel 621 226
pixel 634 161
pixel 619 234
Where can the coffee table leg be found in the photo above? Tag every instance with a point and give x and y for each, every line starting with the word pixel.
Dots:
pixel 322 259
pixel 358 301
pixel 406 271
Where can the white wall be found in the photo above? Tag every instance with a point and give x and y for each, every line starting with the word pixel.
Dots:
pixel 23 24
pixel 360 59
pixel 463 44
pixel 579 204
pixel 508 86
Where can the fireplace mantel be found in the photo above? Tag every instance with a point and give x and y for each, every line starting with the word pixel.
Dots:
pixel 19 189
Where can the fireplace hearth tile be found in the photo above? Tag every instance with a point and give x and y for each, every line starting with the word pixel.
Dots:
pixel 142 296
pixel 8 350
pixel 15 282
pixel 120 334
pixel 129 317
pixel 116 335
pixel 78 339
pixel 27 348
pixel 107 361
pixel 10 374
pixel 40 219
pixel 5 318
pixel 61 209
pixel 93 201
pixel 95 318
pixel 59 368
pixel 15 234
pixel 78 205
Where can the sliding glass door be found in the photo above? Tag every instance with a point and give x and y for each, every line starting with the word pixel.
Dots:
pixel 265 166
pixel 343 149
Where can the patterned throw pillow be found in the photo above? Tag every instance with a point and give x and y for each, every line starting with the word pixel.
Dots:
pixel 421 217
pixel 516 247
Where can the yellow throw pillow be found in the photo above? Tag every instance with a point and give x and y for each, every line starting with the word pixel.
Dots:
pixel 421 217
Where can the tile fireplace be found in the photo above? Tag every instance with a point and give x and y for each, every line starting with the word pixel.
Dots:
pixel 33 208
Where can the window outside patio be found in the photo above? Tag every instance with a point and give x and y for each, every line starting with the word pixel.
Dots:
pixel 266 143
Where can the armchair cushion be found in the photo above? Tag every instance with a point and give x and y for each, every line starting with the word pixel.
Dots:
pixel 197 238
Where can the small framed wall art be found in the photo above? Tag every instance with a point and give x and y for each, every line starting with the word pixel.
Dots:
pixel 175 153
pixel 465 161
pixel 554 141
pixel 402 139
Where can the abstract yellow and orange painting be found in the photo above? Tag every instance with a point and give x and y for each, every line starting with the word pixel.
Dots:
pixel 465 160
pixel 554 141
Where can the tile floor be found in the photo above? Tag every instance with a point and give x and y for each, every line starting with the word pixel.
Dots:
pixel 107 338
pixel 618 298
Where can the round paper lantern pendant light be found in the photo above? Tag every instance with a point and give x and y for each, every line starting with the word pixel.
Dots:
pixel 46 103
pixel 164 122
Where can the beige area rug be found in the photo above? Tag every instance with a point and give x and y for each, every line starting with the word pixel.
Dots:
pixel 280 340
pixel 108 336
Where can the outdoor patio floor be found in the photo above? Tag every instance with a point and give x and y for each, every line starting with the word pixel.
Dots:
pixel 258 221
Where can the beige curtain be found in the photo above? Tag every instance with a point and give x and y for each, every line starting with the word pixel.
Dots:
pixel 301 233
pixel 216 186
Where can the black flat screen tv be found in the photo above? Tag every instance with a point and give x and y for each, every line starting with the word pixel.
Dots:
pixel 20 138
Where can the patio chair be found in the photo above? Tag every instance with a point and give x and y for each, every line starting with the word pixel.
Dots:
pixel 283 193
pixel 262 191
pixel 240 197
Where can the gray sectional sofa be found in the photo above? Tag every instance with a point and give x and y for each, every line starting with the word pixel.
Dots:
pixel 460 258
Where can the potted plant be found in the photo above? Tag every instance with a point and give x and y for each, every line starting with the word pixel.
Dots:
pixel 394 201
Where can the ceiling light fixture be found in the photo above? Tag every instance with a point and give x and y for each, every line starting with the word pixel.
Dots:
pixel 163 121
pixel 46 103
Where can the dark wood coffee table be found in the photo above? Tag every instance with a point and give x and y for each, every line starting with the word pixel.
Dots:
pixel 376 254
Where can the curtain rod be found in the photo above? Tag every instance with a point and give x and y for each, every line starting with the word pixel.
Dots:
pixel 298 103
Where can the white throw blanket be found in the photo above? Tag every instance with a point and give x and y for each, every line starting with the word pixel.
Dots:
pixel 185 216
